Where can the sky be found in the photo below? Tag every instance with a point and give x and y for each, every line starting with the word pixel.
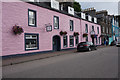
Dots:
pixel 110 6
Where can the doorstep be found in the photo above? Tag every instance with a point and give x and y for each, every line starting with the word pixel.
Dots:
pixel 22 59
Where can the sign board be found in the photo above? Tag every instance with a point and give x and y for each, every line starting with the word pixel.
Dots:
pixel 89 18
pixel 83 16
pixel 70 10
pixel 95 20
pixel 55 4
pixel 48 28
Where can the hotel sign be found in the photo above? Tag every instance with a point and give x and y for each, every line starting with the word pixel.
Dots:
pixel 48 27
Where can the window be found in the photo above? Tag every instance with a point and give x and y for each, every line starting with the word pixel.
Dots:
pixel 76 40
pixel 103 29
pixel 31 42
pixel 98 30
pixel 92 28
pixel 64 41
pixel 56 22
pixel 110 30
pixel 86 28
pixel 31 18
pixel 106 29
pixel 96 40
pixel 71 25
pixel 71 41
pixel 86 38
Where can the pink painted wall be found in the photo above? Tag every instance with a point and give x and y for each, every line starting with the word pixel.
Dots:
pixel 83 22
pixel 17 13
pixel 0 28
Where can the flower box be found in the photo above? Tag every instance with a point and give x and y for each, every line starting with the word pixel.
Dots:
pixel 17 30
pixel 85 35
pixel 63 33
pixel 75 33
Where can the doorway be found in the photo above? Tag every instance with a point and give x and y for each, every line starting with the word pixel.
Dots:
pixel 56 43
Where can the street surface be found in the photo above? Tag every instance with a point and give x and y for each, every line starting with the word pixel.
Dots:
pixel 102 63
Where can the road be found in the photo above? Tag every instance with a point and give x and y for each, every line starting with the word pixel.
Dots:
pixel 102 63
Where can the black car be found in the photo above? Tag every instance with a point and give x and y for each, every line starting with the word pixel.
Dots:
pixel 86 46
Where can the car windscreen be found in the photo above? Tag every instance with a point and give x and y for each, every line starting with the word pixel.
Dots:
pixel 83 43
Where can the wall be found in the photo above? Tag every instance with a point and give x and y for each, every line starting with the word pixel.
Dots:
pixel 17 13
pixel 83 22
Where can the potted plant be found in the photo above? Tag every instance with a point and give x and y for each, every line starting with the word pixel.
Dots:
pixel 85 35
pixel 17 30
pixel 63 33
pixel 75 33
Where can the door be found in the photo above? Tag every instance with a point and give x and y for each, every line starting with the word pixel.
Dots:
pixel 56 43
pixel 93 40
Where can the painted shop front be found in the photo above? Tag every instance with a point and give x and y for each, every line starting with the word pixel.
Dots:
pixel 35 29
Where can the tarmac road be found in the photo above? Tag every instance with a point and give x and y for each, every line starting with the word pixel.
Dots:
pixel 102 63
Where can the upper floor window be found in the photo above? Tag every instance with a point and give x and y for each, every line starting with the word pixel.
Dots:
pixel 71 25
pixel 98 30
pixel 103 29
pixel 92 28
pixel 106 29
pixel 86 28
pixel 31 18
pixel 56 22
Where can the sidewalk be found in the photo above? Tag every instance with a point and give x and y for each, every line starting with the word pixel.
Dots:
pixel 22 59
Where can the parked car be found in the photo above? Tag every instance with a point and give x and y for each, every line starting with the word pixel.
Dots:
pixel 113 43
pixel 86 46
pixel 118 44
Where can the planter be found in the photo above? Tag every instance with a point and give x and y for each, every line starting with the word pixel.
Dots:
pixel 85 35
pixel 63 33
pixel 75 33
pixel 17 30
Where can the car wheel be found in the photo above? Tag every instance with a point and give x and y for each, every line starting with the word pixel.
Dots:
pixel 89 49
pixel 95 48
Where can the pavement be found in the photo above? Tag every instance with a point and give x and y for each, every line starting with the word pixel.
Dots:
pixel 101 63
pixel 27 58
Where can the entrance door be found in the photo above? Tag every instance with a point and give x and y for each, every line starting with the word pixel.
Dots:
pixel 93 40
pixel 56 43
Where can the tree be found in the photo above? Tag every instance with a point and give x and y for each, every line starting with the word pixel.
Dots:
pixel 77 6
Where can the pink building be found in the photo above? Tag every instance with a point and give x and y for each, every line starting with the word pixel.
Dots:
pixel 44 29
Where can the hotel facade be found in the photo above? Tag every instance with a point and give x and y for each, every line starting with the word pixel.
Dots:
pixel 44 29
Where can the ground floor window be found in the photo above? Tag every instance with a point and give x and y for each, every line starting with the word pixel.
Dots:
pixel 87 39
pixel 71 41
pixel 99 40
pixel 64 41
pixel 96 40
pixel 76 40
pixel 31 41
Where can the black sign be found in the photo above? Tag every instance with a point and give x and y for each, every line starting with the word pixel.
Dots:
pixel 49 28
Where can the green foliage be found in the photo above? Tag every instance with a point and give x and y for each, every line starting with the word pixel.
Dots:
pixel 77 6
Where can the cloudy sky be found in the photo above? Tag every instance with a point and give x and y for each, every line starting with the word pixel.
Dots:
pixel 110 6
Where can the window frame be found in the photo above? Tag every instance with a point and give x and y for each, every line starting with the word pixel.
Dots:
pixel 72 25
pixel 37 41
pixel 35 12
pixel 93 28
pixel 66 42
pixel 70 39
pixel 76 37
pixel 98 30
pixel 86 28
pixel 54 22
